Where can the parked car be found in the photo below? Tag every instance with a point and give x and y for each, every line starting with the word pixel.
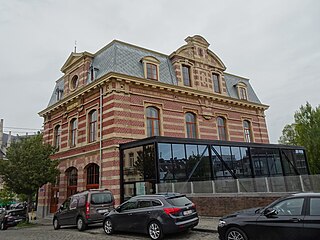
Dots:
pixel 84 208
pixel 155 215
pixel 10 218
pixel 294 217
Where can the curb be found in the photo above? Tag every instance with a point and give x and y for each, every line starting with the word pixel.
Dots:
pixel 205 230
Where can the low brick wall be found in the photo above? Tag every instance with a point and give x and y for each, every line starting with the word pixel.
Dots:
pixel 217 205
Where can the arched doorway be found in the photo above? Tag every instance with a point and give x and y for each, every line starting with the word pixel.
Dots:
pixel 92 171
pixel 72 181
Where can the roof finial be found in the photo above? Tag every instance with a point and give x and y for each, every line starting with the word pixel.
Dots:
pixel 75 46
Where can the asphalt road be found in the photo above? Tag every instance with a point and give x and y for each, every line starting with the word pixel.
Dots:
pixel 44 232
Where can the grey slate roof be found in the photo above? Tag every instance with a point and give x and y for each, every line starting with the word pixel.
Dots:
pixel 232 81
pixel 59 86
pixel 124 58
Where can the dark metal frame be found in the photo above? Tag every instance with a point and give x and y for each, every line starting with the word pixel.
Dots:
pixel 160 139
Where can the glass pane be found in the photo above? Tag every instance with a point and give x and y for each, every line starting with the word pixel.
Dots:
pixel 241 162
pixel 274 163
pixel 290 207
pixel 198 164
pixel 315 206
pixel 300 162
pixel 259 160
pixel 288 161
pixel 165 162
pixel 133 171
pixel 218 167
pixel 128 191
pixel 179 161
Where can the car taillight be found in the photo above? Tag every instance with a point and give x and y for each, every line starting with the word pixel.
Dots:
pixel 87 209
pixel 171 210
pixel 113 202
pixel 194 206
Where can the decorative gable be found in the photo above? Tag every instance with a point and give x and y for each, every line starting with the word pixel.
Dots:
pixel 202 62
pixel 76 70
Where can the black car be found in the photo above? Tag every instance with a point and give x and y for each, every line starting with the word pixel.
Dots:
pixel 295 217
pixel 154 215
pixel 84 208
pixel 10 218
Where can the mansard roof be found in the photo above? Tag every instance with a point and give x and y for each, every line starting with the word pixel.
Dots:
pixel 124 58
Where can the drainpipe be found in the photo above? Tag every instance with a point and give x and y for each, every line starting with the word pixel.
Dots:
pixel 100 151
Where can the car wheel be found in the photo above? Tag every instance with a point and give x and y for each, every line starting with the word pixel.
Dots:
pixel 107 226
pixel 155 231
pixel 3 226
pixel 81 224
pixel 56 224
pixel 236 234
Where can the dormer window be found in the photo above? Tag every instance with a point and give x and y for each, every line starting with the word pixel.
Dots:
pixel 216 83
pixel 59 93
pixel 186 75
pixel 151 67
pixel 242 91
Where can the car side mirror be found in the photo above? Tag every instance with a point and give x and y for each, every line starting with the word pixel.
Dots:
pixel 61 208
pixel 118 209
pixel 269 212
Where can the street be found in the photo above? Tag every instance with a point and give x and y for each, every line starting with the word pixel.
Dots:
pixel 45 232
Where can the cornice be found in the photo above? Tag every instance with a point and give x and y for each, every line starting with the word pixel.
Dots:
pixel 153 84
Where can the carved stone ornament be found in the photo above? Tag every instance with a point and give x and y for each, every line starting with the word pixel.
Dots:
pixel 207 117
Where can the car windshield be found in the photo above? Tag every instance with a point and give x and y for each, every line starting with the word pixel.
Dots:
pixel 179 201
pixel 101 198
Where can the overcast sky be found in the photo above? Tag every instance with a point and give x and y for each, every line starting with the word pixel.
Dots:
pixel 274 43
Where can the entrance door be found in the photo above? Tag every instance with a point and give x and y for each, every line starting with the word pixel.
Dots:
pixel 54 201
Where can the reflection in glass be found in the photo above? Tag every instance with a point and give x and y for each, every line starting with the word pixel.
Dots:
pixel 179 161
pixel 165 162
pixel 198 165
pixel 266 162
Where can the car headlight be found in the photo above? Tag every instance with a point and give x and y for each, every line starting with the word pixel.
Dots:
pixel 222 223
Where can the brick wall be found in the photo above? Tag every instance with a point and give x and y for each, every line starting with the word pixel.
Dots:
pixel 219 205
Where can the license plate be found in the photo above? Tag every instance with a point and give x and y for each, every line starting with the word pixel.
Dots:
pixel 188 212
pixel 103 211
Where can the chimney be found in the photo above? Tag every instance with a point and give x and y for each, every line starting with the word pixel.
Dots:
pixel 1 132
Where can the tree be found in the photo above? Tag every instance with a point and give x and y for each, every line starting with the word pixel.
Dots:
pixel 305 131
pixel 28 166
pixel 6 197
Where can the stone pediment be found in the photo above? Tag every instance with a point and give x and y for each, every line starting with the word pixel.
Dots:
pixel 74 58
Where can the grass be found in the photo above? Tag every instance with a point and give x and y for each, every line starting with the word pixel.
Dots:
pixel 26 225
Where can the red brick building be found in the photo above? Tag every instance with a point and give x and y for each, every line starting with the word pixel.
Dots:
pixel 124 93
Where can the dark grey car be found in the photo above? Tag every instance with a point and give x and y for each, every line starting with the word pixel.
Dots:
pixel 84 208
pixel 154 215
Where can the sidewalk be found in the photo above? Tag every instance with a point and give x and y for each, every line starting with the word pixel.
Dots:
pixel 206 224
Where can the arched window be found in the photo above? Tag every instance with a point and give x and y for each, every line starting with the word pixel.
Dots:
pixel 247 131
pixel 57 136
pixel 73 132
pixel 191 125
pixel 222 129
pixel 92 176
pixel 153 121
pixel 72 181
pixel 93 126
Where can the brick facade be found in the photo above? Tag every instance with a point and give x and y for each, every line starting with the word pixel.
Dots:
pixel 121 101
